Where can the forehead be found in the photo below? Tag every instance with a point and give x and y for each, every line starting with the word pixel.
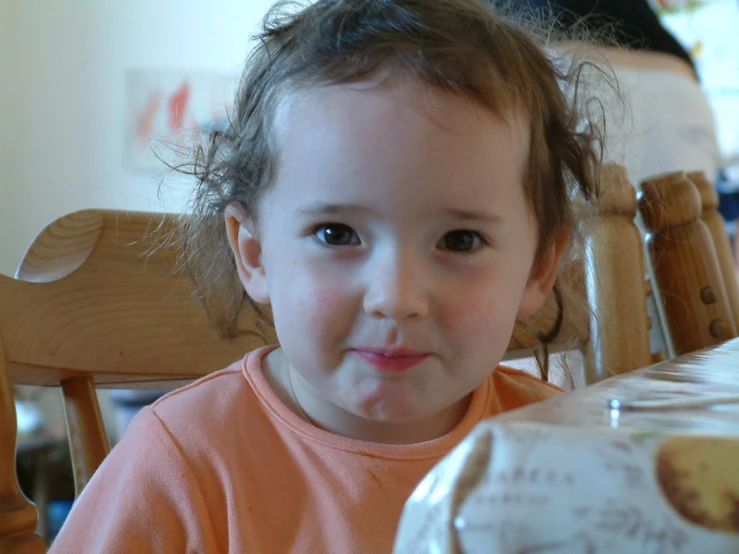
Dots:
pixel 400 134
pixel 389 103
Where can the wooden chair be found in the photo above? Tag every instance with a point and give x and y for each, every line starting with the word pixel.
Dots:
pixel 717 227
pixel 99 302
pixel 696 298
pixel 608 275
pixel 96 302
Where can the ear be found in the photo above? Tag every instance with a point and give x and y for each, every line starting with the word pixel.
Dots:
pixel 542 276
pixel 247 250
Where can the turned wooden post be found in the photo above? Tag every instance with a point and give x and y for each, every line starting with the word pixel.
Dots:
pixel 18 516
pixel 685 265
pixel 717 227
pixel 88 441
pixel 613 256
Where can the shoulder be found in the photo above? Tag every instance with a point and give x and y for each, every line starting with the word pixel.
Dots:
pixel 170 475
pixel 222 416
pixel 208 413
pixel 211 394
pixel 144 497
pixel 610 57
pixel 514 388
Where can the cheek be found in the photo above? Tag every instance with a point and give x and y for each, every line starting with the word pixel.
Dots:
pixel 322 307
pixel 482 313
pixel 470 315
pixel 315 306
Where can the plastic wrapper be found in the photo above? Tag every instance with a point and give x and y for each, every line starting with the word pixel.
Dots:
pixel 572 475
pixel 532 488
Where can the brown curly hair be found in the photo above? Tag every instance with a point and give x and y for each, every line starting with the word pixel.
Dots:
pixel 458 46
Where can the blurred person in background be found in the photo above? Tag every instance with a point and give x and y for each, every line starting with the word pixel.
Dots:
pixel 657 117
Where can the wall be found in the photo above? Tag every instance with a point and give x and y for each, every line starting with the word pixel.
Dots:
pixel 62 99
pixel 6 40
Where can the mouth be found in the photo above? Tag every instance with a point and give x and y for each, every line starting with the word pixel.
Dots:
pixel 384 359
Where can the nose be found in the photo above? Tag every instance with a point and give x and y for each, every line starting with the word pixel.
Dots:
pixel 396 288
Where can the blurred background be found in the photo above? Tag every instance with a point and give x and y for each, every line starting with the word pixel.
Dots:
pixel 709 30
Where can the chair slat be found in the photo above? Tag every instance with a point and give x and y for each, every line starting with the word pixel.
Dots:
pixel 88 440
pixel 685 264
pixel 717 227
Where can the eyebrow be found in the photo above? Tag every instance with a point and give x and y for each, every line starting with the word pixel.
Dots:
pixel 318 208
pixel 471 215
pixel 330 209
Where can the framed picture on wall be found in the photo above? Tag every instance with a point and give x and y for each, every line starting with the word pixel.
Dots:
pixel 169 112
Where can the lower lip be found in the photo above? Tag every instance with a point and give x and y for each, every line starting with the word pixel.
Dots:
pixel 391 363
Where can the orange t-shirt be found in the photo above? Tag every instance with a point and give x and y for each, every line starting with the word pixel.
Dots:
pixel 222 465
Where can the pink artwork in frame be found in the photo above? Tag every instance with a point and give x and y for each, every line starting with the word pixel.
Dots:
pixel 170 112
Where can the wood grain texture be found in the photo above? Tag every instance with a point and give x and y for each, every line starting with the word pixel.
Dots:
pixel 614 274
pixel 88 441
pixel 102 304
pixel 121 314
pixel 717 227
pixel 685 264
pixel 606 288
pixel 18 516
pixel 61 248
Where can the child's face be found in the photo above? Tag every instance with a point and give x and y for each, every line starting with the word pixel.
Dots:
pixel 396 249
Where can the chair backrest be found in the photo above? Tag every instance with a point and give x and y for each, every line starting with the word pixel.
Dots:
pixel 683 254
pixel 99 301
pixel 606 280
pixel 717 227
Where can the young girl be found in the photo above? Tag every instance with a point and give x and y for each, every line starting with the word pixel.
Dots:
pixel 397 187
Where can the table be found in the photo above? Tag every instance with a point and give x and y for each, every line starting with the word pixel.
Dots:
pixel 704 374
pixel 575 474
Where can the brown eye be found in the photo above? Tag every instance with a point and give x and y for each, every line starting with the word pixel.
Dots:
pixel 337 234
pixel 460 241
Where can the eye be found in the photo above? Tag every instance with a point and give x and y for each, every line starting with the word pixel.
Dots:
pixel 461 241
pixel 337 234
